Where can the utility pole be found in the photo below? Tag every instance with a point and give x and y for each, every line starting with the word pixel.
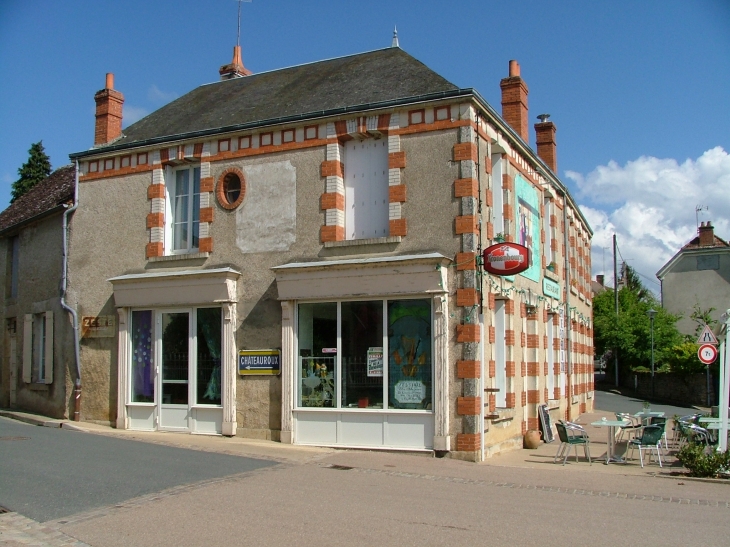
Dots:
pixel 615 303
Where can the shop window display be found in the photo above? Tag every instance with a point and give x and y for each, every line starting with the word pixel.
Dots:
pixel 371 354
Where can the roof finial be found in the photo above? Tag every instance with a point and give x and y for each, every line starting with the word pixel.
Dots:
pixel 395 37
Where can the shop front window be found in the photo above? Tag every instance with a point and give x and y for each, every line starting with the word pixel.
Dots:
pixel 409 354
pixel 209 356
pixel 365 354
pixel 317 354
pixel 362 354
pixel 143 375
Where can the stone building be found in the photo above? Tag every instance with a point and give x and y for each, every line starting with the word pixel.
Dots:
pixel 296 255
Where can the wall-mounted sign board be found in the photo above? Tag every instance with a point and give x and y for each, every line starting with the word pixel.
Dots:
pixel 259 362
pixel 506 258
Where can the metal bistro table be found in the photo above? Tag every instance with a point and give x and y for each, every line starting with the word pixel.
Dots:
pixel 611 425
pixel 646 416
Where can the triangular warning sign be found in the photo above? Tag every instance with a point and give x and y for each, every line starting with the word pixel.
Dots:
pixel 706 336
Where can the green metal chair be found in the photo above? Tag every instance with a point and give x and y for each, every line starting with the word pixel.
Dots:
pixel 570 435
pixel 661 422
pixel 651 440
pixel 632 430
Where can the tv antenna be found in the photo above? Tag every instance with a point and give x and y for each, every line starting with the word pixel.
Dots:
pixel 699 208
pixel 238 36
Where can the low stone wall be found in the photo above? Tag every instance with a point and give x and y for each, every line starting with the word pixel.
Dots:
pixel 678 389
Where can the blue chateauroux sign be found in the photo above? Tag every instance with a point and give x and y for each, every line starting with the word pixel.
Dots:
pixel 550 288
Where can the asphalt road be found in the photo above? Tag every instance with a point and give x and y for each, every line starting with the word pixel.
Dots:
pixel 613 402
pixel 48 473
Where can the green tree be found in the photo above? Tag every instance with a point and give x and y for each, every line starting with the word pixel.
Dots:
pixel 629 333
pixel 37 168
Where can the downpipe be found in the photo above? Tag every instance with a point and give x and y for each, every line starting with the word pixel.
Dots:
pixel 64 304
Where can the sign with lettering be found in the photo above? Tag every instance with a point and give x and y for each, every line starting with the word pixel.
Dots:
pixel 375 362
pixel 100 326
pixel 551 288
pixel 506 258
pixel 259 362
pixel 410 391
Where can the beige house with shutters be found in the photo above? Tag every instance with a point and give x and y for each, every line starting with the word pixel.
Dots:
pixel 296 256
pixel 37 343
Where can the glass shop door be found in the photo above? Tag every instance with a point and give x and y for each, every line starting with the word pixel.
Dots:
pixel 174 358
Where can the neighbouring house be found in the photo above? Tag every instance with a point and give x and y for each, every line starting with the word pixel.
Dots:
pixel 697 276
pixel 296 255
pixel 38 367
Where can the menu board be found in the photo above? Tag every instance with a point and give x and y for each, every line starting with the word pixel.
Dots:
pixel 545 425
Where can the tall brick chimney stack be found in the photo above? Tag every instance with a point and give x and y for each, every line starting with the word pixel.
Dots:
pixel 235 68
pixel 545 140
pixel 514 101
pixel 707 234
pixel 108 113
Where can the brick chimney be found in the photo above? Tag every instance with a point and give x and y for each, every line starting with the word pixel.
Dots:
pixel 707 234
pixel 108 113
pixel 545 140
pixel 235 69
pixel 514 101
pixel 599 279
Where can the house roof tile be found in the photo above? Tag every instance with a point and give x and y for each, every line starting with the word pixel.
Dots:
pixel 54 190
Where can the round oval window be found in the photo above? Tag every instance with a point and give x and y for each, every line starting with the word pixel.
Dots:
pixel 231 189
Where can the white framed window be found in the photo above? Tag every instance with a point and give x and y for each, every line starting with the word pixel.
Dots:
pixel 550 352
pixel 38 348
pixel 182 226
pixel 497 196
pixel 500 353
pixel 365 354
pixel 366 189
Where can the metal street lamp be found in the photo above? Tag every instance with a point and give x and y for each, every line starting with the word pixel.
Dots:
pixel 651 313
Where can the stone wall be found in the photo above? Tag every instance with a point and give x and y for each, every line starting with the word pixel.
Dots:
pixel 678 389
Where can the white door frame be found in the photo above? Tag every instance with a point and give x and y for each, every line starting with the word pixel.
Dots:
pixel 181 421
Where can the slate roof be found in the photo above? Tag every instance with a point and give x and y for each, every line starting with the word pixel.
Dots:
pixel 50 193
pixel 378 76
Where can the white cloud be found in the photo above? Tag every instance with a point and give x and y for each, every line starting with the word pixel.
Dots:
pixel 156 95
pixel 133 114
pixel 654 202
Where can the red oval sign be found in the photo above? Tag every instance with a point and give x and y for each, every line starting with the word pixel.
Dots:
pixel 506 259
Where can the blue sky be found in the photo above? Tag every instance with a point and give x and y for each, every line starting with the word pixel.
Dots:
pixel 638 90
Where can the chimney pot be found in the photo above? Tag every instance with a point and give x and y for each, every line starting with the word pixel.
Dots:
pixel 109 103
pixel 707 234
pixel 514 101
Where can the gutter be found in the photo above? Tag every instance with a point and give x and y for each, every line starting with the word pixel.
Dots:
pixel 64 305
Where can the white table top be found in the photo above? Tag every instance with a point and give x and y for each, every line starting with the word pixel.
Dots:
pixel 610 423
pixel 649 414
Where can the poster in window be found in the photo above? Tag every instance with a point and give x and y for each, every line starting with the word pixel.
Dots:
pixel 375 362
pixel 528 224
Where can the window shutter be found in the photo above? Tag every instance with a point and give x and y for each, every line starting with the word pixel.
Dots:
pixel 27 348
pixel 48 350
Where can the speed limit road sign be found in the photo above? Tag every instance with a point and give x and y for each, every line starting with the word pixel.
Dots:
pixel 707 353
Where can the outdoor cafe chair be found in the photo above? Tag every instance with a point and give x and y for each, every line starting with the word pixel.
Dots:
pixel 571 435
pixel 662 422
pixel 651 440
pixel 631 430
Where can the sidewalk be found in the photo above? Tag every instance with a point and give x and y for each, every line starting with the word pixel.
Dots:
pixel 542 457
